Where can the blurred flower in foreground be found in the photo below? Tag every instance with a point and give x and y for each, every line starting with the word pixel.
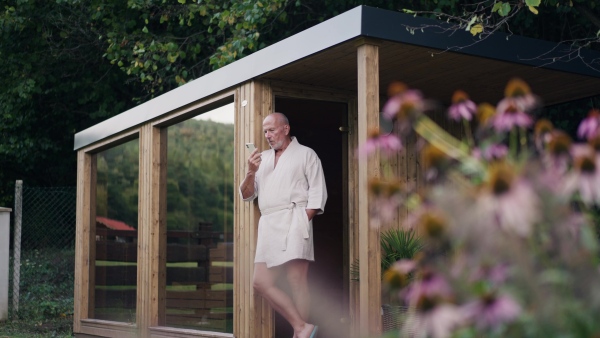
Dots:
pixel 588 128
pixel 491 152
pixel 462 107
pixel 428 286
pixel 387 199
pixel 434 161
pixel 495 274
pixel 509 219
pixel 431 224
pixel 397 275
pixel 388 144
pixel 508 116
pixel 541 132
pixel 518 92
pixel 404 103
pixel 436 322
pixel 585 176
pixel 492 310
pixel 508 201
pixel 513 110
pixel 485 112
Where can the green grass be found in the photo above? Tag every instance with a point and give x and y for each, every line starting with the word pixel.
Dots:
pixel 46 296
pixel 58 327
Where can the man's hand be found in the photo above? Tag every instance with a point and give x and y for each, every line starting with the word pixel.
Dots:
pixel 254 161
pixel 247 187
pixel 311 213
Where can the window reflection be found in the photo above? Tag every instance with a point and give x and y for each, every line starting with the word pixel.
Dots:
pixel 116 233
pixel 200 222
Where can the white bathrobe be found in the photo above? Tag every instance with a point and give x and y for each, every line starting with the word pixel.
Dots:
pixel 284 193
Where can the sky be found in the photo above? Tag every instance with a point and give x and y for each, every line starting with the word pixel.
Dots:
pixel 223 114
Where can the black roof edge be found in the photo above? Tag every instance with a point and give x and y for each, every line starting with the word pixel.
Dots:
pixel 383 24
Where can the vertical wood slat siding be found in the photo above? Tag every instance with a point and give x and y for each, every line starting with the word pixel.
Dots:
pixel 151 229
pixel 83 238
pixel 369 246
pixel 353 224
pixel 253 316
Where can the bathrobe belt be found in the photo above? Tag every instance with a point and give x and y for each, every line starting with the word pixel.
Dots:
pixel 293 214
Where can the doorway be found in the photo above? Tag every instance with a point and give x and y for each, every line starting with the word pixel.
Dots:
pixel 316 124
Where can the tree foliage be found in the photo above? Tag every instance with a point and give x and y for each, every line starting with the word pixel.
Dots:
pixel 69 64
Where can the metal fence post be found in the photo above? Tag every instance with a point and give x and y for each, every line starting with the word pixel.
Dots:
pixel 17 245
pixel 4 259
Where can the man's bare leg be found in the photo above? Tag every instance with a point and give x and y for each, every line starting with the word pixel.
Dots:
pixel 264 283
pixel 297 276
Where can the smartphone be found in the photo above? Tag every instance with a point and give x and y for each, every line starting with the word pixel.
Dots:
pixel 250 146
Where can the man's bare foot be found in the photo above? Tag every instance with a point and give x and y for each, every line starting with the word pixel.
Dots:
pixel 305 332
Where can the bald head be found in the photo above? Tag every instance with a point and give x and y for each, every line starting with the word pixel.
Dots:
pixel 280 119
pixel 276 127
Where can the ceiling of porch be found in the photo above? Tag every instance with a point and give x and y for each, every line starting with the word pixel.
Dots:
pixel 436 73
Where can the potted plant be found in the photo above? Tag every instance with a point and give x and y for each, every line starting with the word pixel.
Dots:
pixel 396 244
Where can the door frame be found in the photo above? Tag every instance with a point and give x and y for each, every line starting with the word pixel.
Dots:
pixel 350 175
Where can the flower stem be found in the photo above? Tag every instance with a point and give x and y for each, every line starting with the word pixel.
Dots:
pixel 468 133
pixel 513 143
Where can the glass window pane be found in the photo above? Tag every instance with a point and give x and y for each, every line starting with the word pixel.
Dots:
pixel 200 222
pixel 116 233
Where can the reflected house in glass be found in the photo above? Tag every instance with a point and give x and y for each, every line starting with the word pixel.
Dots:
pixel 171 174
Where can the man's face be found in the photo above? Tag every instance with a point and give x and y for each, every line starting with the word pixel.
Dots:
pixel 275 131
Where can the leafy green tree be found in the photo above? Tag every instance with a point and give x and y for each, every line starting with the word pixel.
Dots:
pixel 69 64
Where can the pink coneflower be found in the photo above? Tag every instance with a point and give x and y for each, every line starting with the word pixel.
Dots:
pixel 541 131
pixel 397 275
pixel 496 274
pixel 556 157
pixel 509 116
pixel 434 160
pixel 585 175
pixel 485 113
pixel 508 201
pixel 404 103
pixel 387 196
pixel 520 94
pixel 492 310
pixel 438 322
pixel 388 144
pixel 491 153
pixel 429 286
pixel 589 127
pixel 512 111
pixel 462 107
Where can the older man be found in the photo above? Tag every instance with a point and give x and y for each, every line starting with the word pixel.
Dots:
pixel 289 183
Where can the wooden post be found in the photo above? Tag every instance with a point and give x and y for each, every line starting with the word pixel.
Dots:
pixel 4 259
pixel 84 241
pixel 253 317
pixel 369 247
pixel 151 271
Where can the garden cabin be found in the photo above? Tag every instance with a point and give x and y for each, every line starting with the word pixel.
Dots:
pixel 169 169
